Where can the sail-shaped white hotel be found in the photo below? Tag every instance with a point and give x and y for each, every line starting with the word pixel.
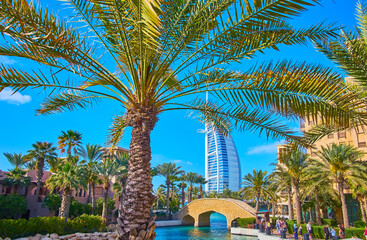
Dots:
pixel 222 164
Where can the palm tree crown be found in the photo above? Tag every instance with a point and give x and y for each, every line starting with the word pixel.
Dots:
pixel 17 160
pixel 69 140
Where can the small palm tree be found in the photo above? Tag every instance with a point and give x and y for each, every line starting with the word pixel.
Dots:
pixel 69 141
pixel 160 196
pixel 92 154
pixel 16 177
pixel 191 178
pixel 67 177
pixel 107 168
pixel 183 186
pixel 341 165
pixel 255 184
pixel 201 180
pixel 42 152
pixel 122 160
pixel 17 160
pixel 168 170
pixel 293 163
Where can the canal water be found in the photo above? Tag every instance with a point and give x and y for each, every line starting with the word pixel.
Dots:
pixel 216 231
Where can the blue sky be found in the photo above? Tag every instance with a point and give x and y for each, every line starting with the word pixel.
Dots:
pixel 175 137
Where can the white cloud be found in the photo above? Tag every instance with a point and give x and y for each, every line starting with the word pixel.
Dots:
pixel 264 149
pixel 7 60
pixel 17 98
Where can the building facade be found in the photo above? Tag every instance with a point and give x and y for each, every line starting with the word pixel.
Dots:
pixel 222 164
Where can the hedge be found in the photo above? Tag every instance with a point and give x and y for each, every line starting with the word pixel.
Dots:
pixel 21 228
pixel 330 222
pixel 359 224
pixel 243 222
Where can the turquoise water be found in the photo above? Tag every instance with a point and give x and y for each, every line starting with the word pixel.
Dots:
pixel 216 231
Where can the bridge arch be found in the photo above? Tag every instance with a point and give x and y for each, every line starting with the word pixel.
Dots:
pixel 198 212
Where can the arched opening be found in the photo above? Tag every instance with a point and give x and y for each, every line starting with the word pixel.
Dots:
pixel 213 219
pixel 188 220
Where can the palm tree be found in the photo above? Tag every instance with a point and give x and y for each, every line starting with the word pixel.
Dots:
pixel 122 160
pixel 201 180
pixel 92 153
pixel 183 186
pixel 17 160
pixel 341 165
pixel 16 177
pixel 159 196
pixel 154 45
pixel 293 162
pixel 191 178
pixel 69 141
pixel 168 170
pixel 107 168
pixel 360 192
pixel 42 152
pixel 67 177
pixel 255 184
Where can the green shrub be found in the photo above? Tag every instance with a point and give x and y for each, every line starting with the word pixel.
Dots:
pixel 330 222
pixel 359 224
pixel 243 222
pixel 22 228
pixel 354 232
pixel 12 205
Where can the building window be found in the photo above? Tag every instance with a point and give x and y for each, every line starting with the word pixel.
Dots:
pixel 341 135
pixel 330 136
pixel 362 144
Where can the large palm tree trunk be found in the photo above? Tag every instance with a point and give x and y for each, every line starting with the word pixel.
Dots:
pixel 362 211
pixel 138 198
pixel 257 202
pixel 201 191
pixel 65 204
pixel 317 208
pixel 93 189
pixel 365 203
pixel 105 199
pixel 290 206
pixel 298 203
pixel 190 193
pixel 182 195
pixel 167 198
pixel 344 204
pixel 89 199
pixel 39 175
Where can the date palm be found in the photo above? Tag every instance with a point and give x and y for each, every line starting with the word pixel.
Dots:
pixel 122 160
pixel 191 178
pixel 293 162
pixel 17 160
pixel 42 152
pixel 69 141
pixel 183 186
pixel 341 165
pixel 16 177
pixel 92 154
pixel 255 185
pixel 201 180
pixel 107 169
pixel 168 170
pixel 165 53
pixel 68 176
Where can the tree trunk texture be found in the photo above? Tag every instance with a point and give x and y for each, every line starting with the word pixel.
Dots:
pixel 123 183
pixel 311 217
pixel 317 208
pixel 167 198
pixel 290 206
pixel 190 195
pixel 93 198
pixel 105 199
pixel 257 202
pixel 65 204
pixel 365 204
pixel 298 203
pixel 135 221
pixel 39 175
pixel 273 208
pixel 89 199
pixel 182 195
pixel 344 204
pixel 362 211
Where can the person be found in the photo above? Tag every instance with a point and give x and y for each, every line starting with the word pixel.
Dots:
pixel 277 225
pixel 300 232
pixel 295 230
pixel 341 231
pixel 309 230
pixel 333 234
pixel 365 232
pixel 326 232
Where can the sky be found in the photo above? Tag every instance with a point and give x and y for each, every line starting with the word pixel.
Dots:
pixel 175 137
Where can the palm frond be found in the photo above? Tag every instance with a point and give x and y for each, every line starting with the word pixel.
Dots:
pixel 117 130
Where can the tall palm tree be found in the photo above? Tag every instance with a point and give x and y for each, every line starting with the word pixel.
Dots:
pixel 341 165
pixel 17 160
pixel 107 168
pixel 69 141
pixel 16 177
pixel 255 184
pixel 183 186
pixel 42 152
pixel 293 162
pixel 191 178
pixel 168 170
pixel 201 180
pixel 155 46
pixel 92 154
pixel 67 177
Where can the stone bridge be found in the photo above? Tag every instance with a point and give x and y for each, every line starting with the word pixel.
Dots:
pixel 198 212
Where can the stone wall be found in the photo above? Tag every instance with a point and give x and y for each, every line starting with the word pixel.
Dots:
pixel 74 236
